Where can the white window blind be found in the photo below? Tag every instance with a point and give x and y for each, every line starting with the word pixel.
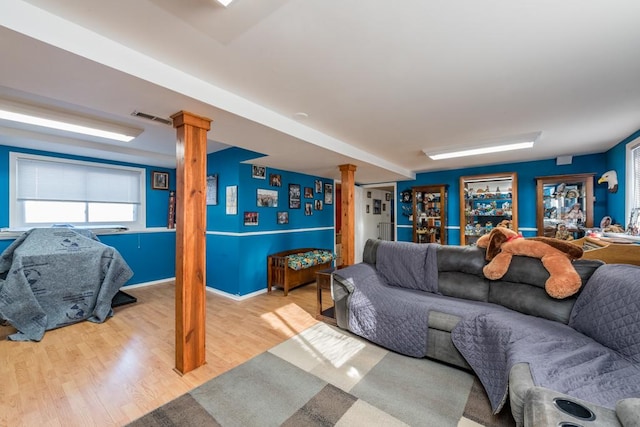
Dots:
pixel 46 180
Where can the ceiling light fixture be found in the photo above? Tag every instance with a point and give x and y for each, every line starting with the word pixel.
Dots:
pixel 513 143
pixel 300 115
pixel 65 121
pixel 225 3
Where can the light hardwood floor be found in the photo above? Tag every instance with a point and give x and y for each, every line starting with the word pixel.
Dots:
pixel 112 373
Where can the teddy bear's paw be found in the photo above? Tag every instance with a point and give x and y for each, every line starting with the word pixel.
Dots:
pixel 492 273
pixel 562 287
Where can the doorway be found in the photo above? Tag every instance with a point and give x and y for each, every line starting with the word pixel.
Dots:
pixel 376 214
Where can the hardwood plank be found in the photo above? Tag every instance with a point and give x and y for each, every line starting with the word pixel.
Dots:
pixel 109 374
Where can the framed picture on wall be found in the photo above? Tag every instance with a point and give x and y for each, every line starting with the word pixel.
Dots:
pixel 251 218
pixel 275 180
pixel 308 208
pixel 258 172
pixel 160 180
pixel 308 193
pixel 212 189
pixel 283 217
pixel 232 200
pixel 377 206
pixel 294 196
pixel 318 205
pixel 318 186
pixel 328 194
pixel 267 198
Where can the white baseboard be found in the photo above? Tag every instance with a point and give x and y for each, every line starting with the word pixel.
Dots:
pixel 235 297
pixel 152 283
pixel 208 289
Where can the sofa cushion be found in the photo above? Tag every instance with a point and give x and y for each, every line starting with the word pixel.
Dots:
pixel 530 270
pixel 608 309
pixel 531 300
pixel 460 272
pixel 408 265
pixel 522 288
pixel 308 259
pixel 370 251
pixel 463 285
pixel 464 259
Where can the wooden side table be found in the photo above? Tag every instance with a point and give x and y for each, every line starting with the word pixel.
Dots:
pixel 323 282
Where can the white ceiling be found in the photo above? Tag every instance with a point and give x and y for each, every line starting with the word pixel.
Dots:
pixel 380 80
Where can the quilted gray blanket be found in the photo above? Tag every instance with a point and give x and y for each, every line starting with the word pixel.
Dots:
pixel 52 277
pixel 398 318
pixel 560 358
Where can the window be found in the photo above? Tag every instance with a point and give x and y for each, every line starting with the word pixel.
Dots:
pixel 48 190
pixel 633 184
pixel 635 171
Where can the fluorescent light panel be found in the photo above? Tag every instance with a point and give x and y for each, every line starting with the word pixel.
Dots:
pixel 225 3
pixel 481 150
pixel 54 119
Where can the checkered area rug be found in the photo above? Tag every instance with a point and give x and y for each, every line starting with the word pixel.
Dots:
pixel 328 377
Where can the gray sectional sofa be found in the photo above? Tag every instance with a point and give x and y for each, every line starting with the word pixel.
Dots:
pixel 574 361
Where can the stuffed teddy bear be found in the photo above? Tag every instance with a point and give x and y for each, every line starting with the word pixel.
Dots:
pixel 556 256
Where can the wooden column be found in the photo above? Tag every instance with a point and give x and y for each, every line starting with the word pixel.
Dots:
pixel 348 213
pixel 191 226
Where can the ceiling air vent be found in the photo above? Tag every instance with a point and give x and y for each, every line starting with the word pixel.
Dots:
pixel 152 118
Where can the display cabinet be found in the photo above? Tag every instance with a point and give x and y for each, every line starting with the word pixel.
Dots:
pixel 429 214
pixel 564 205
pixel 485 202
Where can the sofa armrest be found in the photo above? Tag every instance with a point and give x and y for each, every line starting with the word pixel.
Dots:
pixel 520 381
pixel 628 412
pixel 341 289
pixel 540 410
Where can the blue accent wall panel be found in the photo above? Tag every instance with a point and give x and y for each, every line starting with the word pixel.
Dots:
pixel 224 263
pixel 158 200
pixel 405 234
pixel 4 186
pixel 4 244
pixel 238 264
pixel 151 256
pixel 237 253
pixel 253 275
pixel 226 164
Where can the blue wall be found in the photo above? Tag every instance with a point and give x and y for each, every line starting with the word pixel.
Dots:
pixel 526 171
pixel 151 255
pixel 237 253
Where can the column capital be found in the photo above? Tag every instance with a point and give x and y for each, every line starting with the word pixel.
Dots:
pixel 182 118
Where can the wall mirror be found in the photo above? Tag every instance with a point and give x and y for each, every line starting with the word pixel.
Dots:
pixel 485 202
pixel 564 205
